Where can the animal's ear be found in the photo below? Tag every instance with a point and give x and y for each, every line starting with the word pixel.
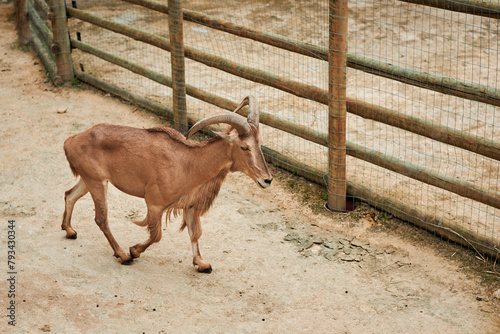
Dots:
pixel 223 136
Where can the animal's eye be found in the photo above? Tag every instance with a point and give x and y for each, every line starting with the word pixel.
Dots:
pixel 245 148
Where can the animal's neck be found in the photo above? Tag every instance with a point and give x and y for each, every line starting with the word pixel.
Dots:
pixel 206 173
pixel 212 158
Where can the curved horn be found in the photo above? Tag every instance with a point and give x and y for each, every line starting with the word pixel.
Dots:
pixel 237 121
pixel 253 114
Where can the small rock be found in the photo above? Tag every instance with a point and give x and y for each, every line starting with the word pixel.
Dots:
pixel 307 253
pixel 317 240
pixel 344 241
pixel 496 294
pixel 328 254
pixel 390 250
pixel 307 243
pixel 359 243
pixel 291 236
pixel 331 244
pixel 368 221
pixel 45 328
pixel 357 251
pixel 351 258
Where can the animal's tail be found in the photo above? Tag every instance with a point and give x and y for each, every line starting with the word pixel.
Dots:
pixel 73 169
pixel 154 229
pixel 143 222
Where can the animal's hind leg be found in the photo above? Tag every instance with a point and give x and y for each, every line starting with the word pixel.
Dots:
pixel 98 191
pixel 153 222
pixel 191 219
pixel 70 198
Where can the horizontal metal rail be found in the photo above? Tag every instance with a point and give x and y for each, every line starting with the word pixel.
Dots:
pixel 38 23
pixel 443 134
pixel 279 41
pixel 474 7
pixel 465 189
pixel 438 83
pixel 157 108
pixel 45 56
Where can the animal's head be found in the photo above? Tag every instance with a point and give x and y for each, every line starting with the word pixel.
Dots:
pixel 244 137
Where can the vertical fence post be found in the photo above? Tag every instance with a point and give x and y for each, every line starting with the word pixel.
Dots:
pixel 61 47
pixel 22 23
pixel 337 59
pixel 178 69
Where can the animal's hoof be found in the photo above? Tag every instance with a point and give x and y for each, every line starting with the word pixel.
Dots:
pixel 128 262
pixel 72 236
pixel 207 271
pixel 133 252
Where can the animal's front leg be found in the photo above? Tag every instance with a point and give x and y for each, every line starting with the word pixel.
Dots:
pixel 98 191
pixel 193 223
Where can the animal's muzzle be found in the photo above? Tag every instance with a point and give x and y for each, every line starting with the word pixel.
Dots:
pixel 267 183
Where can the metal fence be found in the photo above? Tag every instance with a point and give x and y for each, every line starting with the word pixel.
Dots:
pixel 422 84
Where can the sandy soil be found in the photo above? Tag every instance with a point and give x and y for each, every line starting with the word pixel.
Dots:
pixel 278 266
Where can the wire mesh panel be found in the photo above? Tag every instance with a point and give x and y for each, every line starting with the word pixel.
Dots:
pixel 280 18
pixel 420 64
pixel 444 43
pixel 127 48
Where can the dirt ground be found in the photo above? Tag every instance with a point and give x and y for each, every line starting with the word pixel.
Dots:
pixel 279 266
